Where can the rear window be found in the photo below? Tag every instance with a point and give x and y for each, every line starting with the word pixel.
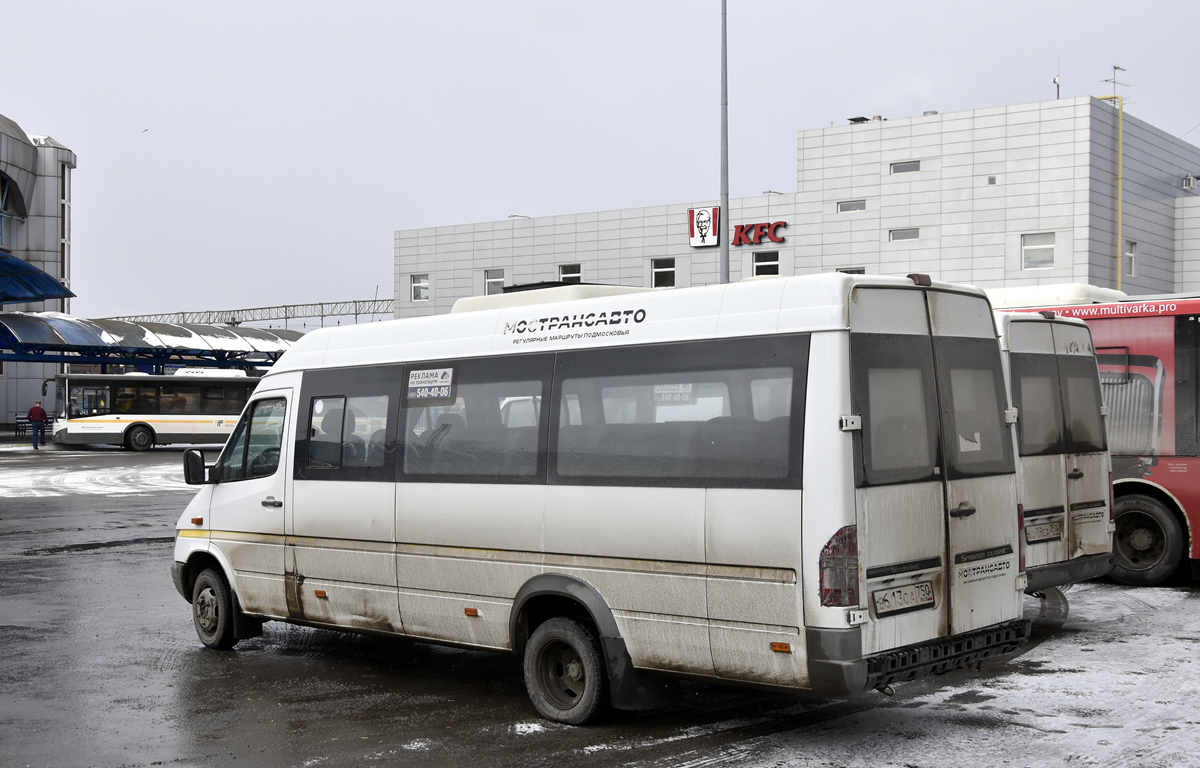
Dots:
pixel 972 383
pixel 1081 404
pixel 893 390
pixel 1039 405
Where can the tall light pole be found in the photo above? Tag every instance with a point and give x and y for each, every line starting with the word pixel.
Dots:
pixel 723 234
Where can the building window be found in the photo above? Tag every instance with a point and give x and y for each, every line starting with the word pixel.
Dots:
pixel 1037 251
pixel 64 213
pixel 853 270
pixel 766 263
pixel 420 287
pixel 1130 266
pixel 846 206
pixel 662 273
pixel 910 233
pixel 991 181
pixel 908 166
pixel 493 281
pixel 570 273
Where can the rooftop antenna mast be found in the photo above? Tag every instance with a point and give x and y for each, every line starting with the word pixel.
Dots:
pixel 1058 80
pixel 1115 82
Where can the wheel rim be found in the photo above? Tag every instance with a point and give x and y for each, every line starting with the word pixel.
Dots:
pixel 141 438
pixel 562 674
pixel 207 613
pixel 1140 541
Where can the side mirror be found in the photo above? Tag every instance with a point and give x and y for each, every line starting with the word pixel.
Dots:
pixel 194 471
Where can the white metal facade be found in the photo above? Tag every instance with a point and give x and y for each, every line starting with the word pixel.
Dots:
pixel 987 177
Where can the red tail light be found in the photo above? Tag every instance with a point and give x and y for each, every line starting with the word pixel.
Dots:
pixel 839 569
pixel 1021 537
pixel 1112 506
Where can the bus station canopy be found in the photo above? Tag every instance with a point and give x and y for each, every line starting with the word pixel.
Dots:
pixel 21 282
pixel 55 337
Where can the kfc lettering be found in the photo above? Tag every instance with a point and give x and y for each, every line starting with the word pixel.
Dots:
pixel 753 234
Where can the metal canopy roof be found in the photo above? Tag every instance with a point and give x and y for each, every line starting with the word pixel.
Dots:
pixel 55 337
pixel 21 282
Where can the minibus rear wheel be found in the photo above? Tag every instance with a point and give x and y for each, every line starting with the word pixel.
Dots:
pixel 1148 542
pixel 564 671
pixel 212 610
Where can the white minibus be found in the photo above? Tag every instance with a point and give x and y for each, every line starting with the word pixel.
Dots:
pixel 1064 473
pixel 796 483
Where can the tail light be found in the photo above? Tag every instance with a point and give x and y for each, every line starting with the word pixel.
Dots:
pixel 1021 538
pixel 1112 506
pixel 839 569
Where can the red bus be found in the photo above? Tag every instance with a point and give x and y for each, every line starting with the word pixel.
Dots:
pixel 1147 353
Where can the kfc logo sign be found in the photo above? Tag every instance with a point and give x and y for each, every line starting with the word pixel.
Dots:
pixel 702 226
pixel 752 234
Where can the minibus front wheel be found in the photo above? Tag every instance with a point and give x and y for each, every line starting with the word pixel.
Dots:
pixel 564 671
pixel 212 610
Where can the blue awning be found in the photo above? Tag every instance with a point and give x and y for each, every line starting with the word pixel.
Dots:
pixel 21 282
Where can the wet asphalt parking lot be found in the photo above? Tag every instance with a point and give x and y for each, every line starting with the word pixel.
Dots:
pixel 101 667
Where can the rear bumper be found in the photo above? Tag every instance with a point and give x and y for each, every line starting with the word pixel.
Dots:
pixel 837 668
pixel 1068 572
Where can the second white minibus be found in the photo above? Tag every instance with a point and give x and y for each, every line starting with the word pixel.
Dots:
pixel 800 483
pixel 1064 471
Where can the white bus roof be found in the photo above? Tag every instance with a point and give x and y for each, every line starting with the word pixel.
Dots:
pixel 785 305
pixel 1061 295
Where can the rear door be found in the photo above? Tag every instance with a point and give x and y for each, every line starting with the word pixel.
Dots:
pixel 1036 388
pixel 980 480
pixel 899 498
pixel 1088 471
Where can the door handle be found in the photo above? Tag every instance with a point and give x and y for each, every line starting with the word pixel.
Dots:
pixel 1075 474
pixel 962 510
pixel 270 502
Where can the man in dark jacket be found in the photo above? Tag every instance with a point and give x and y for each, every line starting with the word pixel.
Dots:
pixel 37 424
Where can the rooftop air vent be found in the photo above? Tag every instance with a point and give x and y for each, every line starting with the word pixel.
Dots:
pixel 858 120
pixel 929 113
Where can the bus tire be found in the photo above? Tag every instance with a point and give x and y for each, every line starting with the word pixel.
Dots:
pixel 212 610
pixel 139 438
pixel 564 671
pixel 1147 544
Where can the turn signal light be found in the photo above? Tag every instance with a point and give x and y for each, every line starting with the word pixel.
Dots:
pixel 781 647
pixel 471 611
pixel 839 569
pixel 321 593
pixel 197 521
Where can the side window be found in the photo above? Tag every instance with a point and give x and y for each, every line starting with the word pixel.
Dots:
pixel 325 431
pixel 483 421
pixel 253 448
pixel 702 414
pixel 892 389
pixel 347 430
pixel 1036 396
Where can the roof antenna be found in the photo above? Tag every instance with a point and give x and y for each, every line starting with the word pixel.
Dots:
pixel 1115 82
pixel 1058 81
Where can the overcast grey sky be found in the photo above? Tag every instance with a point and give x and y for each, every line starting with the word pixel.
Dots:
pixel 236 154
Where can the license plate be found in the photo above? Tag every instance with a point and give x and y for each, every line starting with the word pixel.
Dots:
pixel 1051 531
pixel 911 597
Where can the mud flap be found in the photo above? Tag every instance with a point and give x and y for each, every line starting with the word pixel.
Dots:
pixel 635 689
pixel 244 627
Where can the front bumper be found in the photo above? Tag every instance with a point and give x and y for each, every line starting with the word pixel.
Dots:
pixel 837 667
pixel 1068 572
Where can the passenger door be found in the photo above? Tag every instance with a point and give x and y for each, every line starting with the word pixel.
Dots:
pixel 981 501
pixel 1088 472
pixel 248 503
